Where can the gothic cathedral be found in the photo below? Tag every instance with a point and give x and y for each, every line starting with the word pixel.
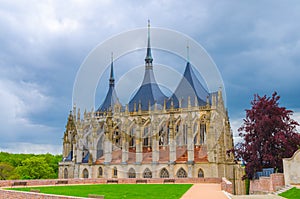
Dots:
pixel 185 135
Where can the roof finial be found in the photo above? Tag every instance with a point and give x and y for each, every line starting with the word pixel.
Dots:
pixel 188 51
pixel 111 79
pixel 148 58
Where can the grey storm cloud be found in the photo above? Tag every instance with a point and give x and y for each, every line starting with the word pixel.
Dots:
pixel 256 46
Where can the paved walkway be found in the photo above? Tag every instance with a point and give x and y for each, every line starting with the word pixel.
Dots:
pixel 210 191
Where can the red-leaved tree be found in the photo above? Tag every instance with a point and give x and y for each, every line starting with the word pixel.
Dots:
pixel 269 135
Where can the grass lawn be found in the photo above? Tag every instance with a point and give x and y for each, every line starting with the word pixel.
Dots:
pixel 117 191
pixel 293 193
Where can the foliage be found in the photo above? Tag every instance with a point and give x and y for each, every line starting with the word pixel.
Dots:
pixel 7 172
pixel 16 162
pixel 269 135
pixel 35 168
pixel 116 191
pixel 293 193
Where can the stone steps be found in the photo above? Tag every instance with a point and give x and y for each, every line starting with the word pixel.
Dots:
pixel 284 189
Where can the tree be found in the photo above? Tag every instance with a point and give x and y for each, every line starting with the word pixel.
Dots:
pixel 7 171
pixel 269 135
pixel 35 168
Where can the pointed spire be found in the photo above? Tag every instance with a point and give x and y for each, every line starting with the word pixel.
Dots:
pixel 111 79
pixel 148 58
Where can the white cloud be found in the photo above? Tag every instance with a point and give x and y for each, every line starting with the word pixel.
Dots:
pixel 235 125
pixel 26 147
pixel 296 116
pixel 44 42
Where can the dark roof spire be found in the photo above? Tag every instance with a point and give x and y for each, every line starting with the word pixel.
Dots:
pixel 111 97
pixel 149 92
pixel 148 58
pixel 111 79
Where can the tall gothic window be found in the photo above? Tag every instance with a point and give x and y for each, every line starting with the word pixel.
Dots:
pixel 185 129
pixel 85 173
pixel 197 134
pixel 115 172
pixel 117 137
pixel 181 173
pixel 164 173
pixel 202 133
pixel 132 137
pixel 100 171
pixel 147 173
pixel 131 173
pixel 200 173
pixel 100 148
pixel 65 173
pixel 145 136
pixel 164 135
pixel 161 136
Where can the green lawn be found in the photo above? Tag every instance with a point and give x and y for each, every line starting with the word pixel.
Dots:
pixel 117 191
pixel 293 193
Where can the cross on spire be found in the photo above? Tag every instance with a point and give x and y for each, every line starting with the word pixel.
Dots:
pixel 148 59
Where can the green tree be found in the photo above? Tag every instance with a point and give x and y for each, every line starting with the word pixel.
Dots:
pixel 7 172
pixel 35 168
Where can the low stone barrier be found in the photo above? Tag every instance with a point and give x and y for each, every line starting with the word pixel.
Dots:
pixel 226 185
pixel 10 194
pixel 267 184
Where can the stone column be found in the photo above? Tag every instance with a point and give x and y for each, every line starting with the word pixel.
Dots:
pixel 93 148
pixel 172 143
pixel 171 171
pixel 155 144
pixel 125 143
pixel 138 145
pixel 108 138
pixel 190 141
pixel 107 148
pixel 190 171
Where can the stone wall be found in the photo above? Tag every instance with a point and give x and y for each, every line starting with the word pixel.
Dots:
pixel 291 168
pixel 267 184
pixel 226 185
pixel 8 194
pixel 8 183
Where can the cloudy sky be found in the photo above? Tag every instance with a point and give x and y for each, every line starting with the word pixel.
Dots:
pixel 255 44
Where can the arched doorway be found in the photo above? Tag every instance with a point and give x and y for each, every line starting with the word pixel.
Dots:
pixel 65 173
pixel 200 173
pixel 85 173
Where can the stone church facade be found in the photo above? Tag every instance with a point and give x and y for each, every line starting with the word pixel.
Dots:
pixel 185 135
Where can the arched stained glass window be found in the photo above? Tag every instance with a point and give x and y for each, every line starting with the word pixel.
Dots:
pixel 100 170
pixel 164 173
pixel 147 173
pixel 131 173
pixel 181 173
